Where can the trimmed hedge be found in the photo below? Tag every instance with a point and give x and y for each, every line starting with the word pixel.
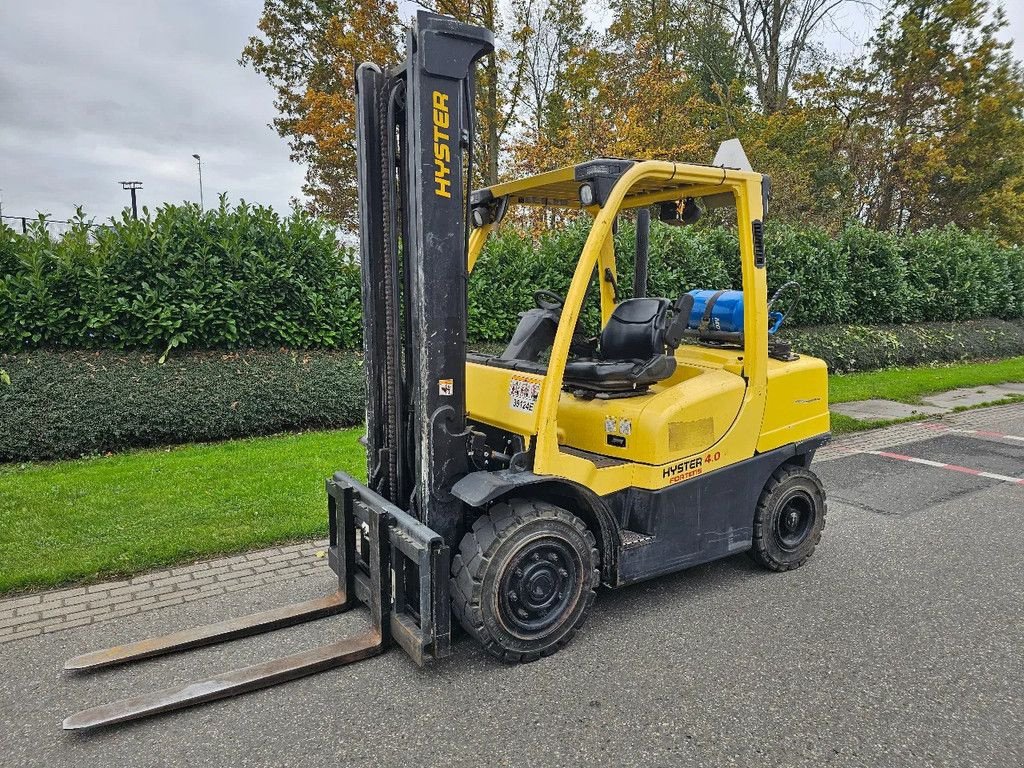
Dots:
pixel 868 348
pixel 227 278
pixel 862 277
pixel 242 277
pixel 67 404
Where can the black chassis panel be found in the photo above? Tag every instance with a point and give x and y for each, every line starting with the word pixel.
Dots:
pixel 479 489
pixel 698 520
pixel 693 522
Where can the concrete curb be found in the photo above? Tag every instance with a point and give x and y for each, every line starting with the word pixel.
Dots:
pixel 57 610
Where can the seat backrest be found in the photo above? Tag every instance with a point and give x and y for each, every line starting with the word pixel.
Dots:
pixel 534 334
pixel 636 330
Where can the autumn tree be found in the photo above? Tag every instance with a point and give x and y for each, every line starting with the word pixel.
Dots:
pixel 668 72
pixel 695 38
pixel 308 51
pixel 777 39
pixel 553 33
pixel 927 128
pixel 934 120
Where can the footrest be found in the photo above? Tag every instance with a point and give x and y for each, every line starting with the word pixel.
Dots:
pixel 631 539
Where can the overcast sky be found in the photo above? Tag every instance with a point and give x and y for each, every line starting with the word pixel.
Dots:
pixel 92 93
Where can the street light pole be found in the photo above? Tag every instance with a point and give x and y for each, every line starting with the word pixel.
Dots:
pixel 131 186
pixel 199 162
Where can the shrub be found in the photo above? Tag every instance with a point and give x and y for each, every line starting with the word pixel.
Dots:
pixel 68 404
pixel 876 284
pixel 241 277
pixel 65 404
pixel 956 275
pixel 814 260
pixel 229 277
pixel 867 348
pixel 1015 283
pixel 681 259
pixel 513 266
pixel 863 277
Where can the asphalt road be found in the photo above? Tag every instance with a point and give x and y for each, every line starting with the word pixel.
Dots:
pixel 901 643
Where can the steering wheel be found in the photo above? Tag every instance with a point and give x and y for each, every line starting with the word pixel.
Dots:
pixel 546 299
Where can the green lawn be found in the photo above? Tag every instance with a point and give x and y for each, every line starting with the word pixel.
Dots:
pixel 909 385
pixel 105 516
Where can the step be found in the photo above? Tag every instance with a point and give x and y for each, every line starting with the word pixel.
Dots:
pixel 633 539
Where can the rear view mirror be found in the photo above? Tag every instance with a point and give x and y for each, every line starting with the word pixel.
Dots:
pixel 680 214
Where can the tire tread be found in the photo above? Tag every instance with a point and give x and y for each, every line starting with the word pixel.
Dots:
pixel 758 551
pixel 477 548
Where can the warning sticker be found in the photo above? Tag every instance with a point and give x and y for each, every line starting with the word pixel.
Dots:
pixel 445 387
pixel 621 426
pixel 523 394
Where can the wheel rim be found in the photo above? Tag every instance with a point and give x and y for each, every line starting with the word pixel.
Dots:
pixel 795 520
pixel 539 585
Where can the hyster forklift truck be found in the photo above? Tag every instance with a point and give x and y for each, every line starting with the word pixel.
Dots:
pixel 505 488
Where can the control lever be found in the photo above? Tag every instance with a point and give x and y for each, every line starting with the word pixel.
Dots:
pixel 680 320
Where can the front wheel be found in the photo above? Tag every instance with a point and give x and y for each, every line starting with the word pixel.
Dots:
pixel 789 519
pixel 524 579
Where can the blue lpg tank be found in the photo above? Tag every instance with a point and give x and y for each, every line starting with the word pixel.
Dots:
pixel 726 313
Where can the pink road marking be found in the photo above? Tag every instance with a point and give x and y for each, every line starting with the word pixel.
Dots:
pixel 951 467
pixel 958 468
pixel 987 433
pixel 981 432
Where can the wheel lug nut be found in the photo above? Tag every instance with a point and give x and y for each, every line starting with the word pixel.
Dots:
pixel 563 573
pixel 552 557
pixel 518 572
pixel 535 556
pixel 513 597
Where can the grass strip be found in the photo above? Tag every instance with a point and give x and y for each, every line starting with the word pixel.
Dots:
pixel 117 515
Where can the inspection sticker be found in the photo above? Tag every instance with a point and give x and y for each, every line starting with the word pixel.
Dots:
pixel 523 394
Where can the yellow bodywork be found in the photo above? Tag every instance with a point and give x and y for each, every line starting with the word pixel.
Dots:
pixel 720 407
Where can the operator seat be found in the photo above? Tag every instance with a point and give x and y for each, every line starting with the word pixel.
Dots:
pixel 635 348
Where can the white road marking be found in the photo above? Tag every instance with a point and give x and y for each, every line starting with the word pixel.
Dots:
pixel 951 467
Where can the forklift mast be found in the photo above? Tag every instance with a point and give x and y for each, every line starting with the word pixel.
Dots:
pixel 415 134
pixel 390 540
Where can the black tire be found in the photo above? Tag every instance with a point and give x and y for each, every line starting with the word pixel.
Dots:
pixel 524 579
pixel 789 519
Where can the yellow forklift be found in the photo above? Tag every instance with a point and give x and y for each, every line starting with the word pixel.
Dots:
pixel 504 489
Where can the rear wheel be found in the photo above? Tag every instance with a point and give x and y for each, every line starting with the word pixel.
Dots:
pixel 789 519
pixel 524 579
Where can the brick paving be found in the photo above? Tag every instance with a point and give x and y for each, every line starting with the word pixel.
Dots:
pixel 57 610
pixel 913 431
pixel 60 609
